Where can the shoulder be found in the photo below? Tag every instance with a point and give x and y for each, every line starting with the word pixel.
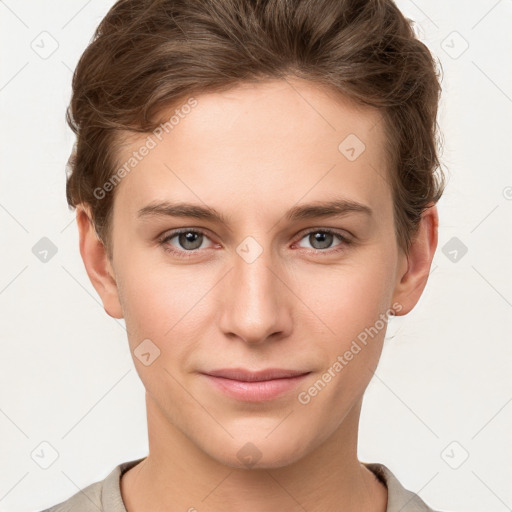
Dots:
pixel 399 498
pixel 85 500
pixel 104 495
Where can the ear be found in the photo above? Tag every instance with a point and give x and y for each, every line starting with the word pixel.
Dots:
pixel 97 264
pixel 415 268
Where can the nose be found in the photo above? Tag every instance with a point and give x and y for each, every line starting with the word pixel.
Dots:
pixel 256 303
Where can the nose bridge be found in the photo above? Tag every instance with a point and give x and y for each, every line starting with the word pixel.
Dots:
pixel 254 305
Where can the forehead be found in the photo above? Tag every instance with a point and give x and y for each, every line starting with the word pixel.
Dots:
pixel 277 137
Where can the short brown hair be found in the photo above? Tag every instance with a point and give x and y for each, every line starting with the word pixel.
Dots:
pixel 147 55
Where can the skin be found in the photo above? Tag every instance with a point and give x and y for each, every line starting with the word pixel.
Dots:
pixel 252 153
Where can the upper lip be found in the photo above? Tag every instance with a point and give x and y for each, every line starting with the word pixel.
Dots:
pixel 255 376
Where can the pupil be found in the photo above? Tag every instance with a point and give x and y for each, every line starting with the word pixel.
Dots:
pixel 189 238
pixel 320 237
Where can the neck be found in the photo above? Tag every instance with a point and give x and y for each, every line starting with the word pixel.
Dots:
pixel 177 475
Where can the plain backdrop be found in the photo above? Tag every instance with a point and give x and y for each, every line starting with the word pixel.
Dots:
pixel 438 412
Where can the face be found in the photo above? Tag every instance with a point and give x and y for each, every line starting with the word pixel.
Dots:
pixel 280 253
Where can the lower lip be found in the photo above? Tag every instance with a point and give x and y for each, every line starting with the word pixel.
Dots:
pixel 256 391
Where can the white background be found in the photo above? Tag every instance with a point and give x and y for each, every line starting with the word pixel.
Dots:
pixel 443 388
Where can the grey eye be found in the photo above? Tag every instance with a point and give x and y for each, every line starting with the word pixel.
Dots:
pixel 187 240
pixel 321 239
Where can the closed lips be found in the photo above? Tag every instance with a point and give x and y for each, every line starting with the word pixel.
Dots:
pixel 255 376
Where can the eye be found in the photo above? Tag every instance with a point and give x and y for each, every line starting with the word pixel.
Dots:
pixel 187 240
pixel 321 239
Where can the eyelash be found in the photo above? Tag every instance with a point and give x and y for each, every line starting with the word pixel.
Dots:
pixel 341 247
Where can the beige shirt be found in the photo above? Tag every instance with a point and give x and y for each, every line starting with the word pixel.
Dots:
pixel 106 495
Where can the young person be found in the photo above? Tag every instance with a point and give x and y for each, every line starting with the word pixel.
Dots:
pixel 255 189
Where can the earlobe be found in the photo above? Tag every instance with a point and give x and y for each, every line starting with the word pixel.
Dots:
pixel 411 283
pixel 97 263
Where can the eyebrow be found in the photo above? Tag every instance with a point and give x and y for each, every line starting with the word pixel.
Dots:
pixel 314 210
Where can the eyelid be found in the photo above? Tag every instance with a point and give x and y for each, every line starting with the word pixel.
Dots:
pixel 344 239
pixel 163 242
pixel 178 231
pixel 344 234
pixel 173 232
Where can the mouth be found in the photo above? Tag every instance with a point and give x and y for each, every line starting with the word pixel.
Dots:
pixel 255 386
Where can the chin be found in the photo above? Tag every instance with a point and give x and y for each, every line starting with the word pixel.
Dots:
pixel 246 452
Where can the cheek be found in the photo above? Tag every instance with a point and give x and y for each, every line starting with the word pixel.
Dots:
pixel 166 305
pixel 171 304
pixel 353 310
pixel 349 298
pixel 160 334
pixel 353 303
